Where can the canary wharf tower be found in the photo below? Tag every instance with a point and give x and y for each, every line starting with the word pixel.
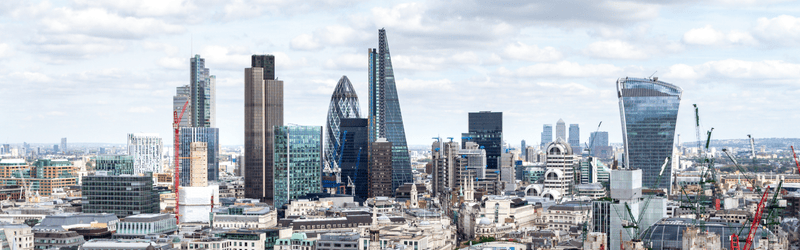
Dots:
pixel 649 112
pixel 385 119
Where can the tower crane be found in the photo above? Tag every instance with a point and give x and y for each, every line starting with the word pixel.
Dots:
pixel 177 144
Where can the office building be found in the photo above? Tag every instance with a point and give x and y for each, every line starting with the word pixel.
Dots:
pixel 445 162
pixel 380 168
pixel 263 110
pixel 56 239
pixel 649 111
pixel 43 176
pixel 203 94
pixel 114 164
pixel 561 130
pixel 486 129
pixel 354 155
pixel 146 151
pixel 63 146
pixel 547 135
pixel 122 195
pixel 17 236
pixel 385 117
pixel 599 143
pixel 198 154
pixel 297 171
pixel 183 94
pixel 141 225
pixel 210 136
pixel 344 104
pixel 523 149
pixel 559 169
pixel 575 138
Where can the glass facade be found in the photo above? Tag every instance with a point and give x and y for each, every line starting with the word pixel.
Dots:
pixel 121 195
pixel 649 111
pixel 114 164
pixel 355 155
pixel 202 93
pixel 297 162
pixel 344 104
pixel 547 135
pixel 575 138
pixel 386 120
pixel 208 135
pixel 486 129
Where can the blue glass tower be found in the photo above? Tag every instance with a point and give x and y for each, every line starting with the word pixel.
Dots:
pixel 385 119
pixel 648 111
pixel 355 155
pixel 199 134
pixel 297 163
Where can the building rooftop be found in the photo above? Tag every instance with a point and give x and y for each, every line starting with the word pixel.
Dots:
pixel 147 217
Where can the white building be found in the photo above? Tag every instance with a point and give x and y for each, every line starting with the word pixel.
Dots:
pixel 18 236
pixel 559 171
pixel 146 151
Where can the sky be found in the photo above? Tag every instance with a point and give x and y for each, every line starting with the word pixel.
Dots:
pixel 94 71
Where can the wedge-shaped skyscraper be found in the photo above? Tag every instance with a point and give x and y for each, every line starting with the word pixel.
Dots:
pixel 649 111
pixel 385 118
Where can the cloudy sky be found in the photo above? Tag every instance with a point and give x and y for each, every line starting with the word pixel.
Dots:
pixel 93 71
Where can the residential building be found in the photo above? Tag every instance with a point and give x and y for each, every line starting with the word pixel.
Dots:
pixel 114 164
pixel 486 129
pixel 344 104
pixel 298 171
pixel 123 195
pixel 141 225
pixel 146 151
pixel 649 112
pixel 198 174
pixel 575 138
pixel 263 110
pixel 209 136
pixel 547 135
pixel 385 117
pixel 561 130
pixel 203 94
pixel 380 168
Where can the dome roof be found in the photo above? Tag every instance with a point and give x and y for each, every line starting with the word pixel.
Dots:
pixel 384 218
pixel 485 221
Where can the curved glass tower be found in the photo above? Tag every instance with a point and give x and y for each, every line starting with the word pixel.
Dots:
pixel 648 112
pixel 344 104
pixel 385 118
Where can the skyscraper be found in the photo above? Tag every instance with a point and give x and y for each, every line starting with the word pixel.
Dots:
pixel 63 145
pixel 182 95
pixel 355 155
pixel 385 118
pixel 599 144
pixel 203 92
pixel 561 130
pixel 523 148
pixel 575 138
pixel 486 129
pixel 649 111
pixel 380 168
pixel 298 162
pixel 344 104
pixel 146 151
pixel 547 134
pixel 263 110
pixel 190 135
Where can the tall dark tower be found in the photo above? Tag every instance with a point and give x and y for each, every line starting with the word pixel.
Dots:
pixel 263 110
pixel 385 118
pixel 486 129
pixel 203 94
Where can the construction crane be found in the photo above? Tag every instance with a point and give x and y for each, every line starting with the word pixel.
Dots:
pixel 753 227
pixel 177 144
pixel 742 171
pixel 753 152
pixel 635 221
pixel 591 144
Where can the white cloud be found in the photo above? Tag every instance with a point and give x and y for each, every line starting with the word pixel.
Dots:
pixel 5 50
pixel 100 23
pixel 738 69
pixel 565 69
pixel 406 84
pixel 30 77
pixel 531 53
pixel 173 63
pixel 615 49
pixel 305 42
pixel 710 36
pixel 347 61
pixel 784 29
pixel 141 110
pixel 466 57
pixel 233 57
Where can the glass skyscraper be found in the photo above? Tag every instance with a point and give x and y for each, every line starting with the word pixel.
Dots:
pixel 575 138
pixel 547 134
pixel 486 129
pixel 355 155
pixel 203 94
pixel 208 135
pixel 385 118
pixel 297 162
pixel 648 111
pixel 344 104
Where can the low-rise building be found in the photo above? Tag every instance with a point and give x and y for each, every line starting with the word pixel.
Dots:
pixel 246 217
pixel 19 236
pixel 57 238
pixel 341 241
pixel 298 241
pixel 566 215
pixel 140 225
pixel 122 195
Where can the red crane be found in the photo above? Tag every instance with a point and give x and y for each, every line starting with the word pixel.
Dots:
pixel 795 159
pixel 176 125
pixel 756 222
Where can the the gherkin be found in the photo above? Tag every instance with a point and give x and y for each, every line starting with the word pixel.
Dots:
pixel 344 104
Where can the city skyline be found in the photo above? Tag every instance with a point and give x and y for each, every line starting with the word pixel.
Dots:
pixel 726 57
